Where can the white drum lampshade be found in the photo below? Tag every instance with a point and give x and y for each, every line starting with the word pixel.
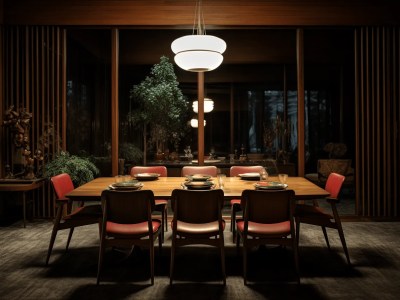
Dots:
pixel 195 123
pixel 208 105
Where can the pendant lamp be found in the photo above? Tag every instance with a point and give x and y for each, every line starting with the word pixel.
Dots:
pixel 198 52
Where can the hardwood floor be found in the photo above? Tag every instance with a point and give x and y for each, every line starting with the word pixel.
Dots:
pixel 374 251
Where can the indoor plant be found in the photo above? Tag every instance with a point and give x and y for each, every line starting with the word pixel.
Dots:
pixel 161 108
pixel 80 169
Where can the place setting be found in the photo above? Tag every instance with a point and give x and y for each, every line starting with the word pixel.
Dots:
pixel 262 175
pixel 250 176
pixel 125 182
pixel 146 176
pixel 272 185
pixel 198 182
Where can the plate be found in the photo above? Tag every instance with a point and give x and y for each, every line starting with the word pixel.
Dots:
pixel 207 161
pixel 198 177
pixel 146 176
pixel 250 176
pixel 128 185
pixel 199 185
pixel 270 185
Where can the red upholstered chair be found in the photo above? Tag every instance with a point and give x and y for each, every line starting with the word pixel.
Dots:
pixel 161 204
pixel 267 219
pixel 127 221
pixel 314 215
pixel 205 170
pixel 235 203
pixel 83 215
pixel 197 220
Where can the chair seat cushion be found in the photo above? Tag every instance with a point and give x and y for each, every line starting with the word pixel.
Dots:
pixel 94 211
pixel 161 205
pixel 161 202
pixel 311 211
pixel 278 229
pixel 131 229
pixel 235 202
pixel 203 228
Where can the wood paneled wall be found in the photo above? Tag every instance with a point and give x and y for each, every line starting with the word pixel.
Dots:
pixel 377 58
pixel 33 71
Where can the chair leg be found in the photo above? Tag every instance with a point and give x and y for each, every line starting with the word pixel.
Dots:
pixel 341 233
pixel 222 249
pixel 346 252
pixel 326 237
pixel 237 239
pixel 233 222
pixel 297 232
pixel 162 226
pixel 233 216
pixel 54 233
pixel 71 231
pixel 100 229
pixel 171 268
pixel 151 246
pixel 159 245
pixel 166 219
pixel 296 259
pixel 244 264
pixel 52 240
pixel 100 262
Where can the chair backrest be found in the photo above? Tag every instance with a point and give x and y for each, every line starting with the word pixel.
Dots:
pixel 236 170
pixel 206 170
pixel 334 184
pixel 62 185
pixel 197 206
pixel 268 206
pixel 127 207
pixel 162 170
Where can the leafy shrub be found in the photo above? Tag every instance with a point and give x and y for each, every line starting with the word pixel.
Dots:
pixel 80 169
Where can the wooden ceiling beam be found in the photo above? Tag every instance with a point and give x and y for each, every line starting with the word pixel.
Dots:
pixel 216 12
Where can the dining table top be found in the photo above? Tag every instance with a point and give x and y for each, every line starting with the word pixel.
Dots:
pixel 162 187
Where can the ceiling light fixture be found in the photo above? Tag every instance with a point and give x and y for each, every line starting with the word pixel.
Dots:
pixel 195 123
pixel 198 52
pixel 208 105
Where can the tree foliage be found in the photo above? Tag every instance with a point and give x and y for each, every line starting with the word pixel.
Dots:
pixel 161 106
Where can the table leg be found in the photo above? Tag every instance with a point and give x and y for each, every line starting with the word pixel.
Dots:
pixel 24 207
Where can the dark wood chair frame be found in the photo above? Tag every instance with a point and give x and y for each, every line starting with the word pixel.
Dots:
pixel 255 204
pixel 197 209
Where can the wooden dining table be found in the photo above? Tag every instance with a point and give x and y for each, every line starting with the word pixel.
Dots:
pixel 162 187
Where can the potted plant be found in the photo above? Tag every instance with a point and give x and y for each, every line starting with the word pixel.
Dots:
pixel 161 108
pixel 80 169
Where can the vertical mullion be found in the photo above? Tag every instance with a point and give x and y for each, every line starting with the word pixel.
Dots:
pixel 377 111
pixel 300 101
pixel 114 102
pixel 17 69
pixel 2 100
pixel 397 153
pixel 367 119
pixel 12 67
pixel 44 46
pixel 357 106
pixel 51 124
pixel 64 89
pixel 396 127
pixel 385 116
pixel 57 93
